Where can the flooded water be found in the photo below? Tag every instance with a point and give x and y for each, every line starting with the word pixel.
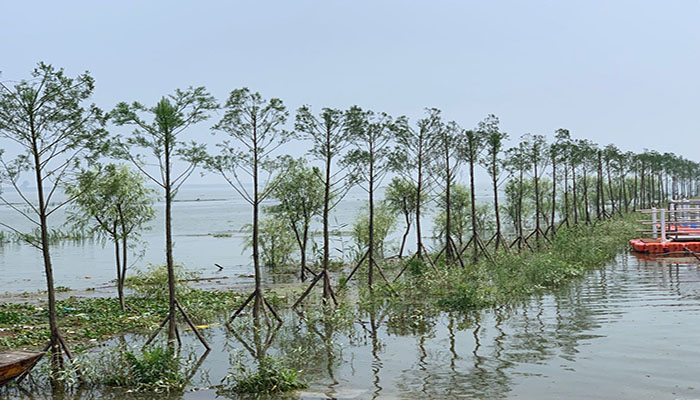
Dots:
pixel 626 331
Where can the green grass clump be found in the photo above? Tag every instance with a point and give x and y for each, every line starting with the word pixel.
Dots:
pixel 157 369
pixel 271 377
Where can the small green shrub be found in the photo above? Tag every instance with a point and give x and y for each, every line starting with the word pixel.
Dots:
pixel 272 377
pixel 156 369
pixel 153 282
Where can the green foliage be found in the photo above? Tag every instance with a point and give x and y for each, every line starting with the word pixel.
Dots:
pixel 87 319
pixel 401 196
pixel 171 116
pixel 509 277
pixel 460 216
pixel 276 241
pixel 271 377
pixel 384 220
pixel 299 193
pixel 258 127
pixel 111 201
pixel 520 198
pixel 157 369
pixel 153 282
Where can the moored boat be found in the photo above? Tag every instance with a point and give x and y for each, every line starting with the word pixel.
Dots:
pixel 14 363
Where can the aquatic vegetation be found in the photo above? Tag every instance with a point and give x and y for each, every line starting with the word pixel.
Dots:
pixel 509 276
pixel 89 320
pixel 272 376
pixel 153 282
pixel 156 369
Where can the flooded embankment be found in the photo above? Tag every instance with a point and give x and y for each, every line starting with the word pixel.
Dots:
pixel 626 331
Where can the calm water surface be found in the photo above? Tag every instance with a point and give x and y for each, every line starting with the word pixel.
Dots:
pixel 624 332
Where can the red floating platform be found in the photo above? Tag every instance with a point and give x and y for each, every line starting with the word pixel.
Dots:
pixel 655 246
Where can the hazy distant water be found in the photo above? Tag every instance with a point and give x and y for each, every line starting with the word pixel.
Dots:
pixel 199 213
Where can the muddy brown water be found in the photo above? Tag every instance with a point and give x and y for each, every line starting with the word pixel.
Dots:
pixel 627 331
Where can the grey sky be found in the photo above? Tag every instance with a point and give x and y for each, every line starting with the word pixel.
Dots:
pixel 626 72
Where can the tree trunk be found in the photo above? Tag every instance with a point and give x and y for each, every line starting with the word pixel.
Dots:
pixel 537 204
pixel 117 258
pixel 172 326
pixel 585 196
pixel 419 189
pixel 304 241
pixel 48 269
pixel 566 192
pixel 554 194
pixel 495 200
pixel 256 211
pixel 573 188
pixel 371 216
pixel 520 208
pixel 448 206
pixel 472 156
pixel 326 228
pixel 610 188
pixel 407 216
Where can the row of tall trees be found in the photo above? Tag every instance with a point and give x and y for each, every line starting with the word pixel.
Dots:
pixel 53 134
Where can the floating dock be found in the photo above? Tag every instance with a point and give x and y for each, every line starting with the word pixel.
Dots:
pixel 673 230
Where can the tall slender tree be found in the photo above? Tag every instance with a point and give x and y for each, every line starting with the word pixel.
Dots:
pixel 444 169
pixel 517 164
pixel 372 135
pixel 161 139
pixel 256 126
pixel 563 149
pixel 493 163
pixel 48 125
pixel 327 133
pixel 471 147
pixel 416 151
pixel 536 151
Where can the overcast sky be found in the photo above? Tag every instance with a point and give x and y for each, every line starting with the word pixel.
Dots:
pixel 623 72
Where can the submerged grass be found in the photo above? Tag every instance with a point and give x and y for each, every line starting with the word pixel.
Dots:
pixel 510 276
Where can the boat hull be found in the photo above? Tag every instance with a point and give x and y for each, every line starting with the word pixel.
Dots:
pixel 15 362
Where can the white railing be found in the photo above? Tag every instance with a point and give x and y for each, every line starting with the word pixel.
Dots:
pixel 680 214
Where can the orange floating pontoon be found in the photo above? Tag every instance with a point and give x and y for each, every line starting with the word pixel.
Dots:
pixel 675 230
